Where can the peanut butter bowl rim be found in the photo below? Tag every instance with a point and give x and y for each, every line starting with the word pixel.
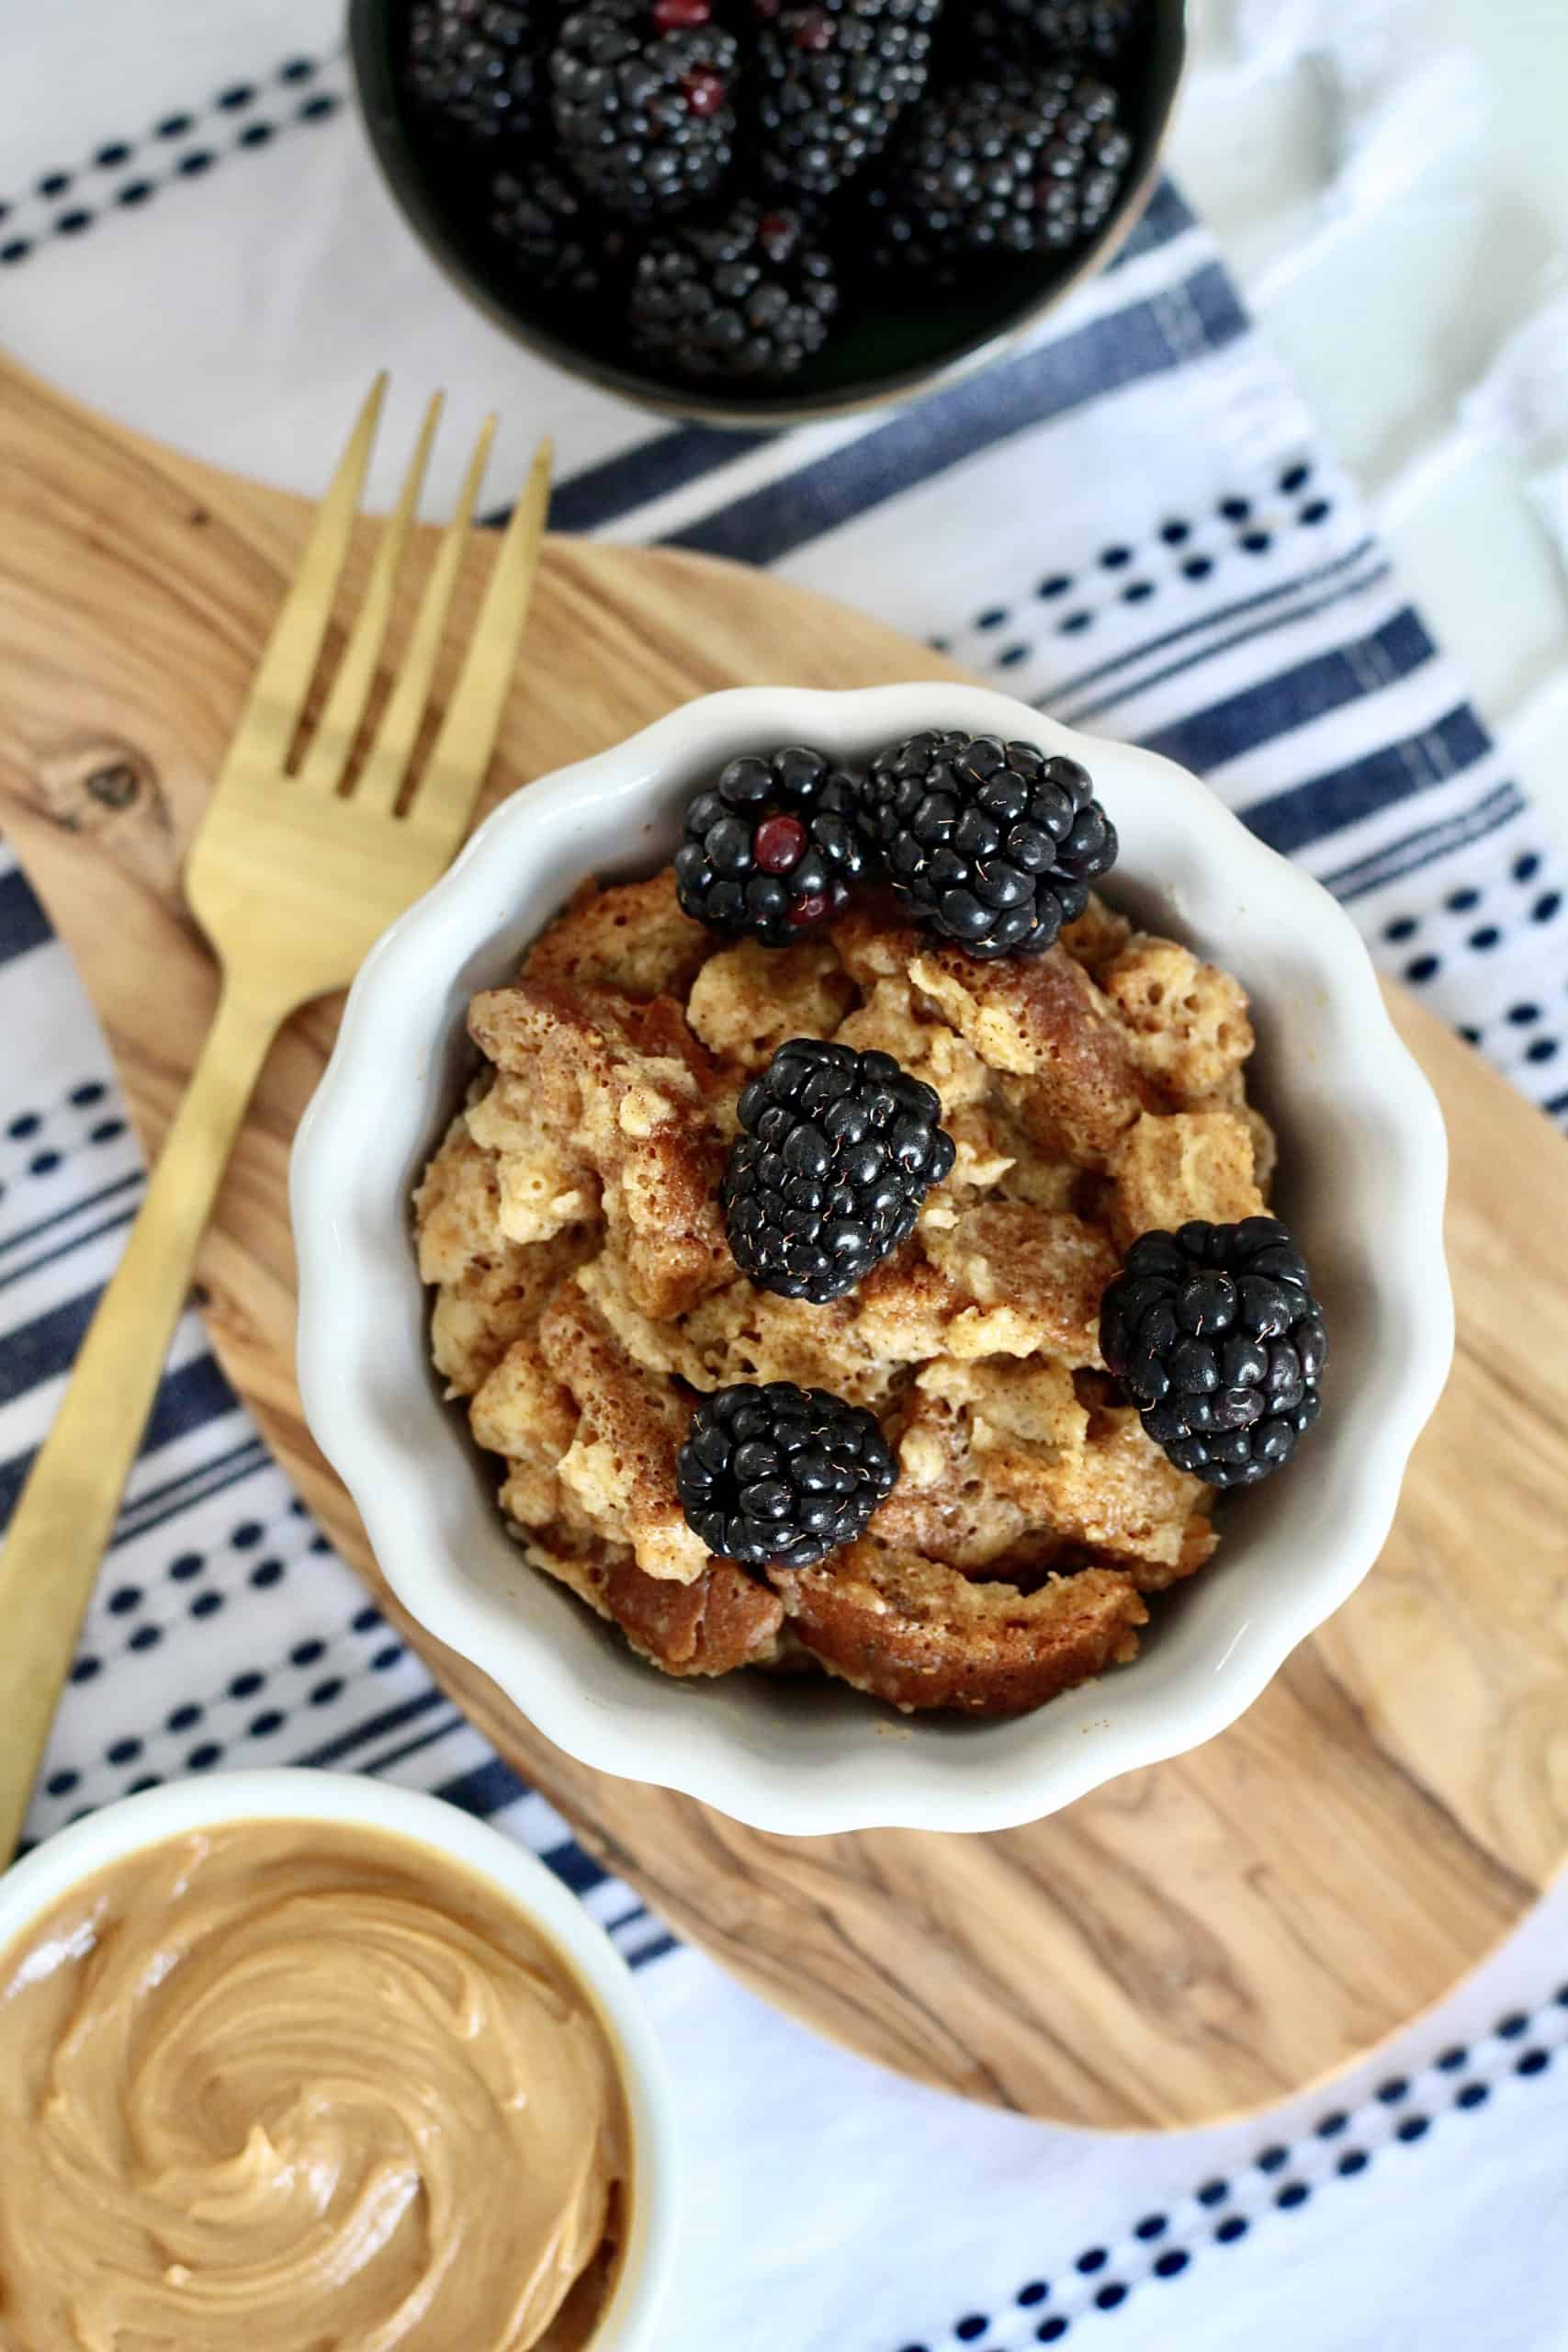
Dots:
pixel 1363 1156
pixel 422 1825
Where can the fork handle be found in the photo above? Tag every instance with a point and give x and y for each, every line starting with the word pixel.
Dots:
pixel 66 1511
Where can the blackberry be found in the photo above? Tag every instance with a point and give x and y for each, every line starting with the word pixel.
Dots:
pixel 835 76
pixel 643 102
pixel 992 171
pixel 474 64
pixel 771 850
pixel 837 1152
pixel 1049 30
pixel 993 844
pixel 750 298
pixel 1215 1336
pixel 779 1476
pixel 551 235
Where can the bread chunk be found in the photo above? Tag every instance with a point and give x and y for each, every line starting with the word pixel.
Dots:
pixel 1189 1164
pixel 1188 1021
pixel 631 938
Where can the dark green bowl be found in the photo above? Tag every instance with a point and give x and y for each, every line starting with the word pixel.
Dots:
pixel 888 352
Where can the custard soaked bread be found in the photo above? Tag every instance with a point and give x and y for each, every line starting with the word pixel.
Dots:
pixel 586 1298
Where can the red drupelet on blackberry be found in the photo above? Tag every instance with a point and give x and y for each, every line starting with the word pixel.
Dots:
pixel 771 851
pixel 780 1477
pixel 643 97
pixel 992 845
pixel 837 1151
pixel 1215 1336
pixel 835 77
pixel 475 65
pixel 748 300
pixel 985 171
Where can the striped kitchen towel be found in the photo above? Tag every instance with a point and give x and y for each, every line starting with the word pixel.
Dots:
pixel 1129 521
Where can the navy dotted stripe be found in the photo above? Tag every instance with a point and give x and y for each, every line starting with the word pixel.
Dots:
pixel 1163 557
pixel 127 1602
pixel 1393 2096
pixel 1518 912
pixel 241 1689
pixel 52 1147
pixel 148 158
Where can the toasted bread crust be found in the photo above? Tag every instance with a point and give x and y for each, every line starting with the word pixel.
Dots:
pixel 585 1292
pixel 921 1634
pixel 631 938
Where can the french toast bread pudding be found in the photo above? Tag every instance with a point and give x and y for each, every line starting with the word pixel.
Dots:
pixel 588 1303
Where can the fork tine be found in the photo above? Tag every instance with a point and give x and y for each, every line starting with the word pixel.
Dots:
pixel 449 786
pixel 333 740
pixel 380 779
pixel 283 678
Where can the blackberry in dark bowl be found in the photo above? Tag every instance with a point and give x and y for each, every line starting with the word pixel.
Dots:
pixel 836 76
pixel 642 95
pixel 692 202
pixel 992 169
pixel 476 66
pixel 551 234
pixel 751 298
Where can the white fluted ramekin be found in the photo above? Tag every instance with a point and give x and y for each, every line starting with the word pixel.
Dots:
pixel 1363 1162
pixel 32 1886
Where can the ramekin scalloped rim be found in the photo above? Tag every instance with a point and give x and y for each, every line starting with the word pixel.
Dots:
pixel 291 1793
pixel 1363 1164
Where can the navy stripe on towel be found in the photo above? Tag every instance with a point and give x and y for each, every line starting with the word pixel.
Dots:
pixel 48 1224
pixel 186 1400
pixel 656 467
pixel 1289 820
pixel 44 1348
pixel 175 1496
pixel 1214 618
pixel 485 1790
pixel 389 1719
pixel 1396 859
pixel 1166 216
pixel 1082 713
pixel 1294 697
pixel 1126 347
pixel 111 1223
pixel 652 470
pixel 575 1868
pixel 23 922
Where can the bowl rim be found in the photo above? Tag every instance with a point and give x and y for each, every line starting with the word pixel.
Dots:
pixel 690 1753
pixel 409 187
pixel 293 1793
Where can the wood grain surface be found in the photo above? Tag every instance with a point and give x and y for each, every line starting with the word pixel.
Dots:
pixel 1196 1939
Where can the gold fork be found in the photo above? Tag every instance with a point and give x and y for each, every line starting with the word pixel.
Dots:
pixel 291 878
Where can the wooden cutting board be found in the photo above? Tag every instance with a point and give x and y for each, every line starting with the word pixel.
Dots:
pixel 1195 1939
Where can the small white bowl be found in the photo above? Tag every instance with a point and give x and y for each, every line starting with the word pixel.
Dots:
pixel 32 1886
pixel 1363 1161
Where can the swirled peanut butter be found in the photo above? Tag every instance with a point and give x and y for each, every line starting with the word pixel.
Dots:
pixel 282 2086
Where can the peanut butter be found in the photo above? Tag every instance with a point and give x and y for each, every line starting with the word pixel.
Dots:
pixel 282 2086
